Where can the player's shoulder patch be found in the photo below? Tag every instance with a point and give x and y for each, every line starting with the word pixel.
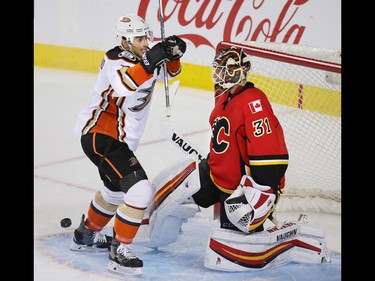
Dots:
pixel 116 54
pixel 255 106
pixel 128 55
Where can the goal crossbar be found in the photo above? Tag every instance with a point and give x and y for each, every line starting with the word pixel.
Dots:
pixel 284 57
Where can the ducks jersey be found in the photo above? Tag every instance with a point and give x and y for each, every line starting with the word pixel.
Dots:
pixel 122 97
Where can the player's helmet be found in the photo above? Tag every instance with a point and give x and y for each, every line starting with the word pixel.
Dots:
pixel 230 67
pixel 131 26
pixel 247 207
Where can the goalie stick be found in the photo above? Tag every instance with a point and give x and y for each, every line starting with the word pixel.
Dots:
pixel 178 139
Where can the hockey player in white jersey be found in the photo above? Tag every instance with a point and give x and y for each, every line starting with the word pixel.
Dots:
pixel 111 126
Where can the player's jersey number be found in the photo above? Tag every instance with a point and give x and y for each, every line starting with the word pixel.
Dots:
pixel 261 127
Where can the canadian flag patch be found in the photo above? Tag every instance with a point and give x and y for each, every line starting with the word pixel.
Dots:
pixel 255 106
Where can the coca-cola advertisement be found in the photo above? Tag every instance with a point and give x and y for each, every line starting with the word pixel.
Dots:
pixel 202 23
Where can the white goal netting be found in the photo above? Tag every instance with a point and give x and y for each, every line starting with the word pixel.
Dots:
pixel 303 84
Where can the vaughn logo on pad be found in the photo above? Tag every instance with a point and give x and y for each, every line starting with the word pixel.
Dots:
pixel 255 106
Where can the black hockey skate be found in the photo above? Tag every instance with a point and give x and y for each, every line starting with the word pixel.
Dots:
pixel 85 239
pixel 122 260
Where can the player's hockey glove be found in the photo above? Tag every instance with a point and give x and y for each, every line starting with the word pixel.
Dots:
pixel 176 46
pixel 156 56
pixel 172 48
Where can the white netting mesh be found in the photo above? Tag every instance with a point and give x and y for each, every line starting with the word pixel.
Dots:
pixel 307 101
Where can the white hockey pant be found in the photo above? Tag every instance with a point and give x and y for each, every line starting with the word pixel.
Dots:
pixel 172 203
pixel 295 241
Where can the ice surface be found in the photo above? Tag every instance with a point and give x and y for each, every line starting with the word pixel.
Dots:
pixel 65 181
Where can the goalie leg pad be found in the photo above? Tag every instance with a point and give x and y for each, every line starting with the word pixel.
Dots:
pixel 229 250
pixel 166 228
pixel 172 203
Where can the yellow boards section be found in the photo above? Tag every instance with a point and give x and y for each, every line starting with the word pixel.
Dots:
pixel 60 57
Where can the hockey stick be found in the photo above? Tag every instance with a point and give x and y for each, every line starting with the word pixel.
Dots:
pixel 166 85
pixel 178 139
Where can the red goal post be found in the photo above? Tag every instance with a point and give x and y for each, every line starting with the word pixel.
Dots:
pixel 303 84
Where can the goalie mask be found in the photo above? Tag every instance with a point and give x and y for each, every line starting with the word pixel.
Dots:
pixel 230 67
pixel 249 205
pixel 131 26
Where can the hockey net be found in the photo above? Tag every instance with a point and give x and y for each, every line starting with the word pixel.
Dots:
pixel 303 84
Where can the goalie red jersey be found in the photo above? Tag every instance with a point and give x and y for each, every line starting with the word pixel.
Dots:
pixel 247 138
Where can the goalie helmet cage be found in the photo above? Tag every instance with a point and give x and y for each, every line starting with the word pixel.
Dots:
pixel 303 84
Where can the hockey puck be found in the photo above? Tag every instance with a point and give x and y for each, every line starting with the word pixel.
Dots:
pixel 66 222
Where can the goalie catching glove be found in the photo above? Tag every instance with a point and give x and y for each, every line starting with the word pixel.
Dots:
pixel 250 204
pixel 169 50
